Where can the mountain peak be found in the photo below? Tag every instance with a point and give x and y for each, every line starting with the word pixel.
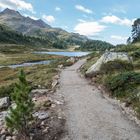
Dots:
pixel 10 12
pixel 41 23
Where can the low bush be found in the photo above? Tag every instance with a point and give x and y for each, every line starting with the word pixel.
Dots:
pixel 6 90
pixel 137 64
pixel 123 83
pixel 136 54
pixel 116 66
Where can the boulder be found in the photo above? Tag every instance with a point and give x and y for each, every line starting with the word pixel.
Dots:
pixel 106 57
pixel 4 102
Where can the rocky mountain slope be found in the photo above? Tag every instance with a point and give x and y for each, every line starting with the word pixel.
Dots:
pixel 38 28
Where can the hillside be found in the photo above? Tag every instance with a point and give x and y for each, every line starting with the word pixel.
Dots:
pixel 95 45
pixel 8 36
pixel 38 28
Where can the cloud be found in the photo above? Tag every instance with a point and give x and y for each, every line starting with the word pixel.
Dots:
pixel 83 9
pixel 16 4
pixel 119 10
pixel 89 28
pixel 49 18
pixel 120 38
pixel 57 9
pixel 81 20
pixel 116 20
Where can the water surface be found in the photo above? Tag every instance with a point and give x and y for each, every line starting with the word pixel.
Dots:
pixel 28 64
pixel 70 54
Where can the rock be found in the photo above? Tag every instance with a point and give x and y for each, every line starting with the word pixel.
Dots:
pixel 60 66
pixel 56 77
pixel 39 92
pixel 106 57
pixel 3 114
pixel 13 105
pixel 72 60
pixel 14 138
pixel 4 102
pixel 53 105
pixel 2 137
pixel 54 83
pixel 46 130
pixel 41 115
pixel 58 102
pixel 3 131
pixel 42 102
pixel 9 138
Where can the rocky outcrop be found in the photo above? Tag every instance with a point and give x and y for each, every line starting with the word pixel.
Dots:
pixel 106 57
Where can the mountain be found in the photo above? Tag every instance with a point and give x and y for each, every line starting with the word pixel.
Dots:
pixel 8 36
pixel 38 28
pixel 22 24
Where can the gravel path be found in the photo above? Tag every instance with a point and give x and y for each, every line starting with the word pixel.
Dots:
pixel 90 116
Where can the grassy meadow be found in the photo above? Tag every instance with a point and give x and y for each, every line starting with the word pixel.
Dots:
pixel 37 75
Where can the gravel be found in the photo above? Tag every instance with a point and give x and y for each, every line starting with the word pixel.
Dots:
pixel 89 116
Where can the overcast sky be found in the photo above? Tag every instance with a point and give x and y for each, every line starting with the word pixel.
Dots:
pixel 108 20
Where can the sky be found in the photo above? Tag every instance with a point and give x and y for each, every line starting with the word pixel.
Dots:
pixel 107 20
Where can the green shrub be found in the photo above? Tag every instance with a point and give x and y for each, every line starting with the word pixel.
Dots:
pixel 127 48
pixel 20 118
pixel 6 90
pixel 116 66
pixel 123 83
pixel 136 55
pixel 136 64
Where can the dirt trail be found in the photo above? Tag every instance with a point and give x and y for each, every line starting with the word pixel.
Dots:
pixel 90 116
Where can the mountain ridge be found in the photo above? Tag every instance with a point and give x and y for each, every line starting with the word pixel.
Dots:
pixel 38 28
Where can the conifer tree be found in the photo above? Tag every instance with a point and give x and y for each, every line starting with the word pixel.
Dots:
pixel 20 116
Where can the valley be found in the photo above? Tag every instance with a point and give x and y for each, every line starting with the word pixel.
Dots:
pixel 60 85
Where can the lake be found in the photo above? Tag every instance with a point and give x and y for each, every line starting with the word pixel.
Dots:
pixel 69 54
pixel 28 64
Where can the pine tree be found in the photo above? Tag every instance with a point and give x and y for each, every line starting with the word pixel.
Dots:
pixel 136 30
pixel 20 117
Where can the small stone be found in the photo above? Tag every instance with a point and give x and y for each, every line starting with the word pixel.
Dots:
pixel 58 102
pixel 9 138
pixel 46 130
pixel 39 91
pixel 54 83
pixel 53 105
pixel 14 138
pixel 41 115
pixel 60 66
pixel 56 77
pixel 3 131
pixel 42 123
